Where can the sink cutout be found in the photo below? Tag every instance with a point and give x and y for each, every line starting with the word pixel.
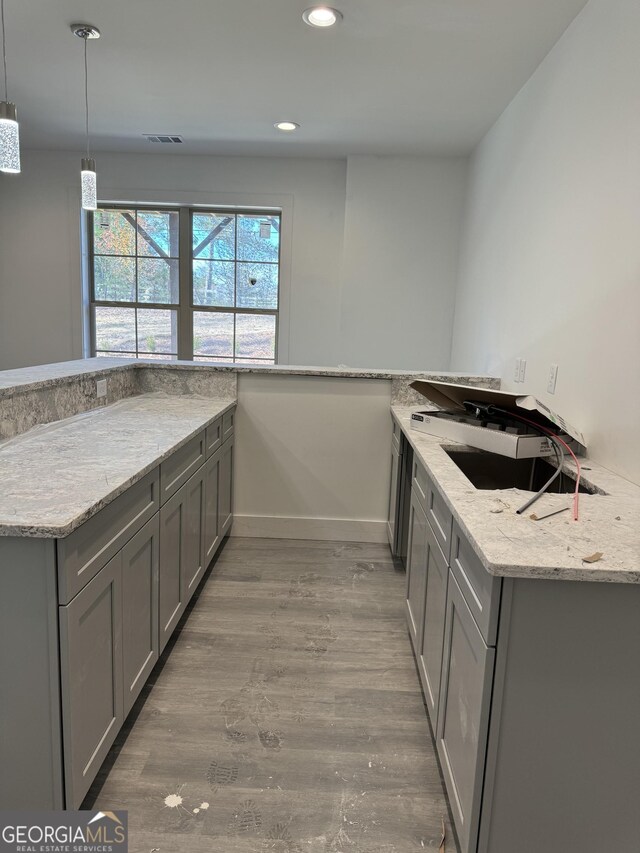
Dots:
pixel 491 471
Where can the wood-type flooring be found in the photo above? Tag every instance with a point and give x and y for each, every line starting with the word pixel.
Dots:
pixel 286 715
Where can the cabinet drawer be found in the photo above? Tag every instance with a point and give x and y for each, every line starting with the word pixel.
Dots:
pixel 214 437
pixel 176 470
pixel 84 552
pixel 228 424
pixel 480 589
pixel 440 519
pixel 420 483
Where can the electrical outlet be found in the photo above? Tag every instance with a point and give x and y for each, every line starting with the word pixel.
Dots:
pixel 523 369
pixel 516 370
pixel 553 377
pixel 101 388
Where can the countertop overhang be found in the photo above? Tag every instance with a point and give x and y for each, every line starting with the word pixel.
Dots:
pixel 511 545
pixel 58 475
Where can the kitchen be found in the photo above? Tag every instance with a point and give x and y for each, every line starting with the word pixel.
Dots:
pixel 489 255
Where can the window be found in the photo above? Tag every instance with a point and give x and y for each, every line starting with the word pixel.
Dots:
pixel 149 300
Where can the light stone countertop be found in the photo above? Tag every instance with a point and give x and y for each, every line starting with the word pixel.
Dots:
pixel 55 477
pixel 513 545
pixel 48 375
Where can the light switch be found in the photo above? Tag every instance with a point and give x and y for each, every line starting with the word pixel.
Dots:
pixel 553 377
pixel 101 388
pixel 516 370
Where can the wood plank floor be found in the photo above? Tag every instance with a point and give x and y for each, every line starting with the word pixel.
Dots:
pixel 286 717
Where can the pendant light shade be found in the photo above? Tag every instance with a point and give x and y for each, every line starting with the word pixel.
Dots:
pixel 89 184
pixel 9 139
pixel 9 130
pixel 88 176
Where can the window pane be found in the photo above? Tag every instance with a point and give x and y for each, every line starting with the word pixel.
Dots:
pixel 115 279
pixel 213 334
pixel 115 329
pixel 158 233
pixel 157 330
pixel 114 232
pixel 213 283
pixel 258 238
pixel 158 280
pixel 213 236
pixel 262 294
pixel 255 336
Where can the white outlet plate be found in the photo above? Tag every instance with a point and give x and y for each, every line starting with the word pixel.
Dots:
pixel 101 388
pixel 523 369
pixel 516 370
pixel 553 378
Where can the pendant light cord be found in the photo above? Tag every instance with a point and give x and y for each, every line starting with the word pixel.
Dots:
pixel 4 52
pixel 86 91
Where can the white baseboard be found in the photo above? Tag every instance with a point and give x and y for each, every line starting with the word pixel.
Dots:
pixel 339 529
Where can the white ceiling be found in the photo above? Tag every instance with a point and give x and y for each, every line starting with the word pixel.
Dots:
pixel 395 77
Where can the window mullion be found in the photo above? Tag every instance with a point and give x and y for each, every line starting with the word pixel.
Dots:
pixel 185 310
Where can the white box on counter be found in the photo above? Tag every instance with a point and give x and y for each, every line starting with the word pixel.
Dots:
pixel 462 429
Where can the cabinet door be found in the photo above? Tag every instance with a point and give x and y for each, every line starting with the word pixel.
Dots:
pixel 392 514
pixel 194 564
pixel 416 571
pixel 225 500
pixel 211 492
pixel 430 657
pixel 91 670
pixel 173 546
pixel 463 716
pixel 140 641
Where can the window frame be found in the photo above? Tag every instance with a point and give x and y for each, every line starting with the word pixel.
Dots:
pixel 185 308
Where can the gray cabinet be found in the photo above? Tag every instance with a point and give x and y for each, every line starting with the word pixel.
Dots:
pixel 416 570
pixel 91 671
pixel 140 640
pixel 430 653
pixel 173 555
pixel 463 717
pixel 211 492
pixel 392 514
pixel 225 496
pixel 195 563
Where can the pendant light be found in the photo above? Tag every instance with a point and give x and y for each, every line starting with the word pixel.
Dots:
pixel 88 167
pixel 9 130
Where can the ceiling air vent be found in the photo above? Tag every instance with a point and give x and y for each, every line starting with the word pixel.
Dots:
pixel 165 139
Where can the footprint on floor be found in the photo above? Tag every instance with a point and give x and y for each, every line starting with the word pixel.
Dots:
pixel 246 819
pixel 279 840
pixel 269 739
pixel 235 736
pixel 219 775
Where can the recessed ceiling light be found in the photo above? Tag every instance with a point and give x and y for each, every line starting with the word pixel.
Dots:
pixel 286 126
pixel 321 16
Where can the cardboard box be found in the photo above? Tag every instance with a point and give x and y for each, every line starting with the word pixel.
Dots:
pixel 451 398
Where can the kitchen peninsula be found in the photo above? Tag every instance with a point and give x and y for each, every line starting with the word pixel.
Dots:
pixel 113 507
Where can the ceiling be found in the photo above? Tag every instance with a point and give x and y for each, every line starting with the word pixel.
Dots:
pixel 395 77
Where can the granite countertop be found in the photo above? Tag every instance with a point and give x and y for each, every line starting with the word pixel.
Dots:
pixel 48 375
pixel 55 477
pixel 513 545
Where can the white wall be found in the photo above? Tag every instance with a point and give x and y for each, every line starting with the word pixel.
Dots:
pixel 550 266
pixel 40 287
pixel 315 457
pixel 402 233
pixel 402 229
